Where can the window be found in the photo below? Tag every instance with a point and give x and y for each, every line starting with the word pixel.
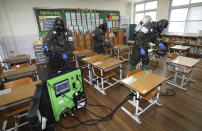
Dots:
pixel 196 1
pixel 151 5
pixel 179 14
pixel 139 7
pixel 143 9
pixel 139 17
pixel 180 2
pixel 152 14
pixel 185 16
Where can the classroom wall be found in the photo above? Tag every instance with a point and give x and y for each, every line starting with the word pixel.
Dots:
pixel 18 26
pixel 162 9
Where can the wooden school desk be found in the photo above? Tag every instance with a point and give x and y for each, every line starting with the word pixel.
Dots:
pixel 30 68
pixel 122 50
pixel 184 67
pixel 18 95
pixel 180 48
pixel 90 61
pixel 179 42
pixel 106 65
pixel 81 53
pixel 142 83
pixel 17 59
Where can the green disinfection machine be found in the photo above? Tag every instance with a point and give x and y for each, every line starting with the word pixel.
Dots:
pixel 66 93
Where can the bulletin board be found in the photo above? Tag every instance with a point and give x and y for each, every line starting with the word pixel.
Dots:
pixel 79 20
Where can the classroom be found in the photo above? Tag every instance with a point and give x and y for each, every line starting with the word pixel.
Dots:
pixel 101 65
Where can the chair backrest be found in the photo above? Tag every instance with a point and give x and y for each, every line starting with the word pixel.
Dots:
pixel 81 41
pixel 88 41
pixel 91 54
pixel 173 56
pixel 134 71
pixel 18 82
pixel 20 66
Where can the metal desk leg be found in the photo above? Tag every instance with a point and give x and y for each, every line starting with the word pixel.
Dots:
pixel 16 122
pixel 90 74
pixel 77 63
pixel 4 125
pixel 118 54
pixel 97 86
pixel 175 77
pixel 135 103
pixel 132 101
pixel 157 97
pixel 129 55
pixel 137 108
pixel 180 52
pixel 121 71
pixel 102 80
pixel 190 78
pixel 37 76
pixel 183 77
pixel 97 80
pixel 89 80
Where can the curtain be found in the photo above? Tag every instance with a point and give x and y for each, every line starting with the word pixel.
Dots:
pixel 3 52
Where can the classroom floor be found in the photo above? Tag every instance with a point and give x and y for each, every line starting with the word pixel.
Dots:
pixel 182 112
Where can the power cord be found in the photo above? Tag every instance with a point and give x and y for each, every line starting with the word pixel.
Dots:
pixel 97 106
pixel 99 118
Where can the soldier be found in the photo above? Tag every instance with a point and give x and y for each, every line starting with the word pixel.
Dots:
pixel 99 38
pixel 58 45
pixel 147 31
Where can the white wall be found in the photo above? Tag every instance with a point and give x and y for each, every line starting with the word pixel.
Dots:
pixel 162 9
pixel 18 26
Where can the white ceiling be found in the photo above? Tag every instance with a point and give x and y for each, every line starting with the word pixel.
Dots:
pixel 98 0
pixel 125 0
pixel 118 0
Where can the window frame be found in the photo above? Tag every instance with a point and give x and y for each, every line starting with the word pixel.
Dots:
pixel 143 11
pixel 188 6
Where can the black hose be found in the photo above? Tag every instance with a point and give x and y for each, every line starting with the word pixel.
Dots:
pixel 91 122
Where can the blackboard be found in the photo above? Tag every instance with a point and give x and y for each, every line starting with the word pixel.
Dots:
pixel 78 20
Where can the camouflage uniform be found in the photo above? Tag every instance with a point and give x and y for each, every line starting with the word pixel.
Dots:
pixel 60 42
pixel 99 37
pixel 148 33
